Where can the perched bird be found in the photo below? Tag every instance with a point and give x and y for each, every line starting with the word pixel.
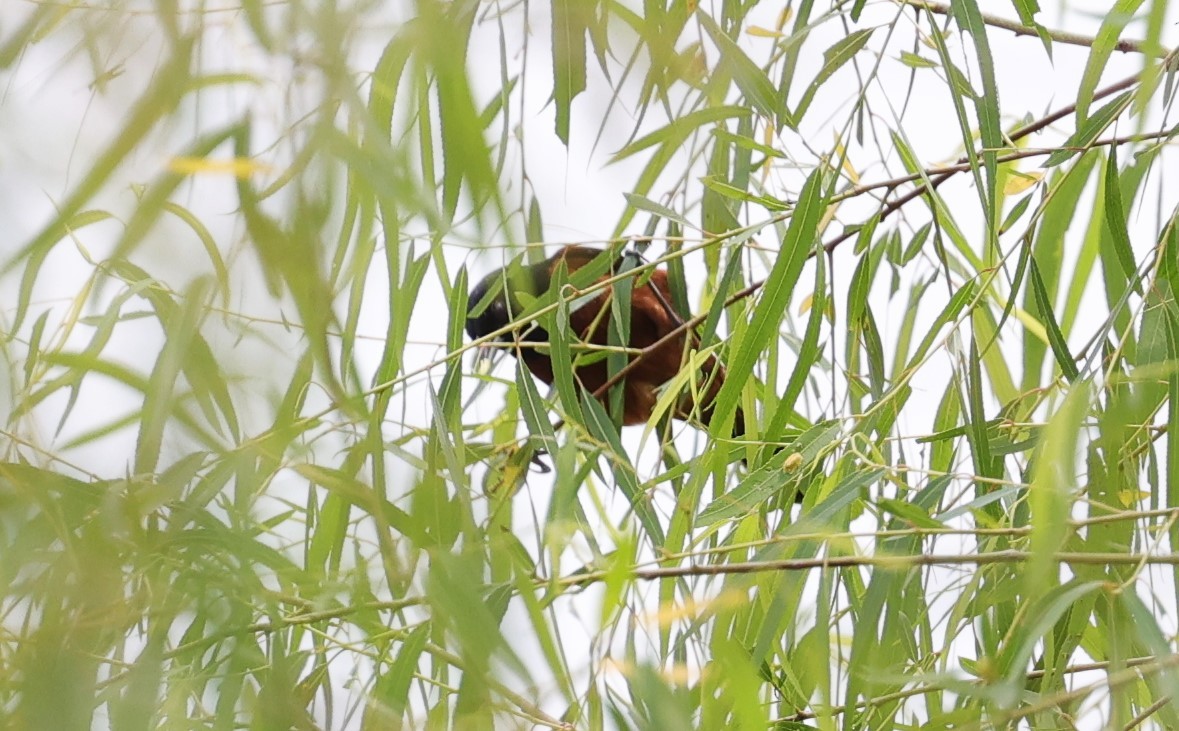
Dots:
pixel 652 317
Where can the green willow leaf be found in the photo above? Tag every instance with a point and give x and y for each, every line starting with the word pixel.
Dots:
pixel 571 20
pixel 834 58
pixel 776 293
pixel 751 80
pixel 1107 37
pixel 1068 364
pixel 1090 129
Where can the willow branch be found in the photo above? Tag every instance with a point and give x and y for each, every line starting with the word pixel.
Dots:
pixel 1060 36
pixel 881 562
pixel 961 166
pixel 901 695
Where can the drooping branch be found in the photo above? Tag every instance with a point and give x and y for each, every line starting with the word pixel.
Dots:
pixel 1128 45
pixel 884 562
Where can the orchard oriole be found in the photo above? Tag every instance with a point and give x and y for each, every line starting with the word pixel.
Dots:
pixel 652 317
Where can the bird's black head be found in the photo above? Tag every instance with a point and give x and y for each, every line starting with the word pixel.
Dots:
pixel 494 303
pixel 495 314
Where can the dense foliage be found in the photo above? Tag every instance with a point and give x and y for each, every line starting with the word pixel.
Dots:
pixel 251 476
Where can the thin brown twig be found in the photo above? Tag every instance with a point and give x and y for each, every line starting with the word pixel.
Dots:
pixel 1127 45
pixel 922 689
pixel 1111 682
pixel 526 706
pixel 879 561
pixel 1147 712
pixel 1018 134
pixel 914 532
pixel 960 166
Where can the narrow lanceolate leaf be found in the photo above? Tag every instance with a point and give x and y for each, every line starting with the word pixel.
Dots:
pixel 668 141
pixel 677 130
pixel 833 58
pixel 1103 46
pixel 1149 80
pixel 1027 10
pixel 732 192
pixel 1115 222
pixel 200 366
pixel 912 60
pixel 1068 365
pixel 977 433
pixel 390 695
pixel 948 314
pixel 796 247
pixel 570 20
pixel 1056 216
pixel 790 465
pixel 385 81
pixel 535 410
pixel 1155 641
pixel 808 354
pixel 1021 268
pixel 909 513
pixel 447 401
pixel 172 83
pixel 986 105
pixel 718 211
pixel 1171 493
pixel 1048 611
pixel 1016 213
pixel 602 427
pixel 751 80
pixel 1090 129
pixel 1053 480
pixel 643 203
pixel 466 154
pixel 159 399
pixel 152 202
pixel 560 338
pixel 1090 248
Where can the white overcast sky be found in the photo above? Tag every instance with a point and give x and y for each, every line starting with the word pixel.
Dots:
pixel 54 120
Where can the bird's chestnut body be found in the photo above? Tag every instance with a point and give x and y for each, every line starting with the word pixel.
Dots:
pixel 652 319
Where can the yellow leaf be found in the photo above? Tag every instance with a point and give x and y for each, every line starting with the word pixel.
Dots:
pixel 239 167
pixel 690 610
pixel 785 16
pixel 805 306
pixel 828 216
pixel 1129 498
pixel 759 32
pixel 852 175
pixel 932 44
pixel 850 171
pixel 1018 182
pixel 678 673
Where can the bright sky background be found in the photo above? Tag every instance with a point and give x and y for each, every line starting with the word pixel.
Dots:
pixel 55 116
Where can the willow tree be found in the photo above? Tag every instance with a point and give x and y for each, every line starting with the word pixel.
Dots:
pixel 253 475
